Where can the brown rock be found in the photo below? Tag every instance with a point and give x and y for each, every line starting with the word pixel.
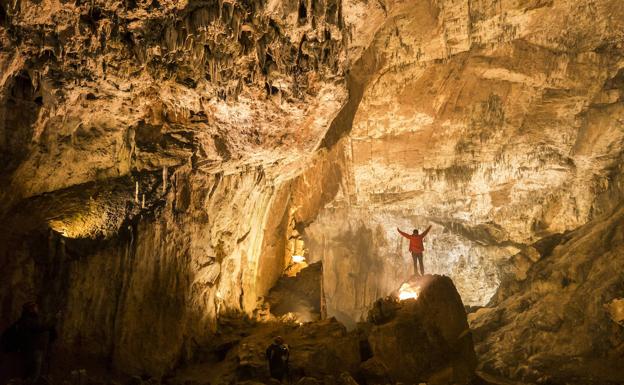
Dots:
pixel 426 339
pixel 559 320
pixel 374 371
pixel 309 381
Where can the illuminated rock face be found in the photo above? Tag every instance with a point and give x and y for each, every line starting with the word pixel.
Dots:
pixel 423 340
pixel 150 295
pixel 497 122
pixel 148 151
pixel 116 89
pixel 160 157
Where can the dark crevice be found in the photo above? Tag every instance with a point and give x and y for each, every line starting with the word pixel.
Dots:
pixel 221 147
pixel 303 12
pixel 3 15
pixel 218 176
pixel 357 79
pixel 21 113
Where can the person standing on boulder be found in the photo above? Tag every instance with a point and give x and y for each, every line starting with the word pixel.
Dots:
pixel 416 248
pixel 278 354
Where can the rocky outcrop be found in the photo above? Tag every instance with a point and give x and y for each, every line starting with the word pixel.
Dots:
pixel 237 353
pixel 300 296
pixel 559 324
pixel 422 340
pixel 417 340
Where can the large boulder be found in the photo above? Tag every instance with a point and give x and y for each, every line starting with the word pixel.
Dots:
pixel 423 339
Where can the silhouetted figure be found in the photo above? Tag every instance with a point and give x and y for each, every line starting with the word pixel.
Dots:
pixel 29 337
pixel 277 355
pixel 416 248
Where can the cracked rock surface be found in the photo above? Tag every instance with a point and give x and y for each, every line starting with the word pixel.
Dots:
pixel 563 309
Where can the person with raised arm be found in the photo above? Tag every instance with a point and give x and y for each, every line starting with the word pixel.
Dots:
pixel 416 248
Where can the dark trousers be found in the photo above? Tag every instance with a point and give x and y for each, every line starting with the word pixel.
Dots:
pixel 418 257
pixel 279 373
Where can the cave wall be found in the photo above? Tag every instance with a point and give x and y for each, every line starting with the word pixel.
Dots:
pixel 559 322
pixel 148 297
pixel 172 276
pixel 362 262
pixel 150 150
pixel 157 155
pixel 498 122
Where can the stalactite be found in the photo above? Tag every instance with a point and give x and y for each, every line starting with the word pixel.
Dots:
pixel 164 179
pixel 231 12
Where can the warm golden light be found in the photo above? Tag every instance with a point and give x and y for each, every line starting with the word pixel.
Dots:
pixel 408 291
pixel 298 259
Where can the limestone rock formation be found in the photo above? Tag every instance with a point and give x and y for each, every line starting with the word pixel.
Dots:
pixel 419 340
pixel 318 349
pixel 499 122
pixel 300 296
pixel 558 323
pixel 148 151
pixel 162 160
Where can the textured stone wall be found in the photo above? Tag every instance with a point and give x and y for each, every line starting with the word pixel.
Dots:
pixel 150 295
pixel 148 149
pixel 555 322
pixel 497 122
pixel 156 156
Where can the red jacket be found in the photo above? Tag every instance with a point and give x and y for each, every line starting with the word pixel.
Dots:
pixel 416 241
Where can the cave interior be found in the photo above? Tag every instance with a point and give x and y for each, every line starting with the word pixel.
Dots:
pixel 183 181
